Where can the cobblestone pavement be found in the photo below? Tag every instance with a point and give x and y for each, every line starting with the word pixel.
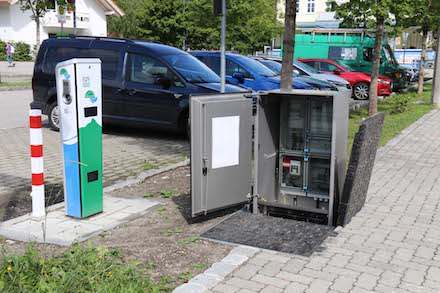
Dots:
pixel 392 245
pixel 125 154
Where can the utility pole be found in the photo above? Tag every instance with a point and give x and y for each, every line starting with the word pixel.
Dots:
pixel 435 99
pixel 223 49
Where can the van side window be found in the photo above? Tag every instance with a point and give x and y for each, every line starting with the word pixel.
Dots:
pixel 145 69
pixel 368 54
pixel 232 67
pixel 110 62
pixel 54 55
pixel 342 53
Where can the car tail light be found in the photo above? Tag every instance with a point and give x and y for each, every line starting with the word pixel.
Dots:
pixel 397 74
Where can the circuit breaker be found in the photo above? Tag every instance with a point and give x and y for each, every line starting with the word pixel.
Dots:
pixel 79 97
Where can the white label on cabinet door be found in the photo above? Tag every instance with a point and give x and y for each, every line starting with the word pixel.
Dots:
pixel 225 141
pixel 295 168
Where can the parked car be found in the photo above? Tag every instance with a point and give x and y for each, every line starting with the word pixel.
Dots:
pixel 360 81
pixel 242 70
pixel 320 83
pixel 304 70
pixel 144 83
pixel 351 47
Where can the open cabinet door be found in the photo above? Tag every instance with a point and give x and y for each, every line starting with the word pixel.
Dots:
pixel 221 151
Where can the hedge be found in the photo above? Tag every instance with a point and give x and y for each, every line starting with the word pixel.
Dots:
pixel 22 51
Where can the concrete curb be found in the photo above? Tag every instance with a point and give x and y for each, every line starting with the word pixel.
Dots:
pixel 144 175
pixel 9 231
pixel 218 271
pixel 392 143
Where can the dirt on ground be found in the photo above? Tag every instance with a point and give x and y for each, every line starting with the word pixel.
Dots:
pixel 165 242
pixel 19 202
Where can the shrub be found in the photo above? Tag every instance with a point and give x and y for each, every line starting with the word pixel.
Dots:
pixel 400 103
pixel 79 269
pixel 22 51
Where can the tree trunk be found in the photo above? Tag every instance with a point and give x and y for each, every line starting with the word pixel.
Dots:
pixel 37 23
pixel 372 109
pixel 422 62
pixel 435 99
pixel 288 45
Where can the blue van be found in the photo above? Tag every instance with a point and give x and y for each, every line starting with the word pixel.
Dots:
pixel 144 83
pixel 242 70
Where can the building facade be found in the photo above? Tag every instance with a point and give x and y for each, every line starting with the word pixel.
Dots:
pixel 91 20
pixel 311 14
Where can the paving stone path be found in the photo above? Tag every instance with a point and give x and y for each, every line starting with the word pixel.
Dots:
pixel 392 245
pixel 125 154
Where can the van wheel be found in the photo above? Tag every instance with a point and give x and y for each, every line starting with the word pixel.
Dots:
pixel 54 116
pixel 361 91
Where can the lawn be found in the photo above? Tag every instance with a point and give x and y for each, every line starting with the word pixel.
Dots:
pixel 402 110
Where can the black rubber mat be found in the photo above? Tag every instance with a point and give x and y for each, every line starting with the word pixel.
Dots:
pixel 272 233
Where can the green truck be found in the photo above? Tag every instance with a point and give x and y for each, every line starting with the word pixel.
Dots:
pixel 353 47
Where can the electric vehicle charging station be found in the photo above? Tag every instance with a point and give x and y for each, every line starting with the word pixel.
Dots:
pixel 79 94
pixel 299 146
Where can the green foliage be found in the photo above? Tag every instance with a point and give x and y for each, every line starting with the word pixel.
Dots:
pixel 168 193
pixel 188 240
pixel 422 13
pixel 185 276
pixel 364 13
pixel 90 269
pixel 250 24
pixel 22 51
pixel 400 104
pixel 149 166
pixel 394 123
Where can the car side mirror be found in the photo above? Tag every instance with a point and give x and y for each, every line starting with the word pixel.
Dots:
pixel 164 82
pixel 238 76
pixel 337 71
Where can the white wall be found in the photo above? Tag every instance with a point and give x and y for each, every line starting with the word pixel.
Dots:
pixel 16 25
pixel 22 27
pixel 5 23
pixel 98 19
pixel 304 16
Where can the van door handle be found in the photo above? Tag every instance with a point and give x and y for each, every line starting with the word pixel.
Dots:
pixel 178 96
pixel 131 92
pixel 119 91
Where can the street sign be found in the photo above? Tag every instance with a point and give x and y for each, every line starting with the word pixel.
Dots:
pixel 61 14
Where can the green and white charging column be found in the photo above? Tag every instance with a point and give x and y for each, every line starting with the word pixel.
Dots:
pixel 79 92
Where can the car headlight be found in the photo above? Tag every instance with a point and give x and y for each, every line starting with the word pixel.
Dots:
pixel 383 81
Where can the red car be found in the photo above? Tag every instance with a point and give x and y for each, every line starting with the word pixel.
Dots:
pixel 359 81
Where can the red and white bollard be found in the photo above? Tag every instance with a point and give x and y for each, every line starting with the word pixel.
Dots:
pixel 36 139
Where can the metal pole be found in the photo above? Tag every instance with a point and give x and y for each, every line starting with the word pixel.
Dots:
pixel 223 49
pixel 74 21
pixel 62 29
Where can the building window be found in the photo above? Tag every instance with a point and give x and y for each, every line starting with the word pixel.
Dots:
pixel 310 6
pixel 297 6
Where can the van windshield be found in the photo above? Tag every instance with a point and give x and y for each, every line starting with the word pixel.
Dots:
pixel 389 55
pixel 192 69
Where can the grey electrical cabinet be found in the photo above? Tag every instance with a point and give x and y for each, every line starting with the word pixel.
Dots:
pixel 299 151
